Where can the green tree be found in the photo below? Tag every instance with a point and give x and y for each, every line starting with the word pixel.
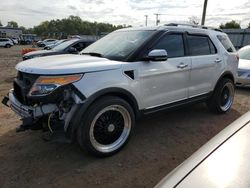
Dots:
pixel 73 25
pixel 12 24
pixel 1 23
pixel 230 25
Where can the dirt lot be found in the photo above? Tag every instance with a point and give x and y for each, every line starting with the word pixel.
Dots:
pixel 160 143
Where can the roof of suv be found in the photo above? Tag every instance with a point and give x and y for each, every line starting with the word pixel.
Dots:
pixel 179 27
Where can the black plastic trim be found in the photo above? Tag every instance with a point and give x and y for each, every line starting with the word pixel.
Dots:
pixel 178 104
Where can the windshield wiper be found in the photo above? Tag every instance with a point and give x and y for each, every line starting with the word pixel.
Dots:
pixel 92 54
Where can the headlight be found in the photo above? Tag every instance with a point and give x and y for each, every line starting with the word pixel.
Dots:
pixel 44 85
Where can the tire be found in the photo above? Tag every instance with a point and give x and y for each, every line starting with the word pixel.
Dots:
pixel 222 97
pixel 106 126
pixel 7 45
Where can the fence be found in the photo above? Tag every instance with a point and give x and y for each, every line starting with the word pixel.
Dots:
pixel 239 37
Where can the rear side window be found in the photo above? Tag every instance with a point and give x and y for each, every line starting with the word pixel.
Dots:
pixel 200 45
pixel 173 44
pixel 225 41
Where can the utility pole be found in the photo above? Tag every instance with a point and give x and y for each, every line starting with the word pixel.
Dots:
pixel 157 20
pixel 204 12
pixel 146 23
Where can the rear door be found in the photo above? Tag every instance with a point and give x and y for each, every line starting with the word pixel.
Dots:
pixel 204 59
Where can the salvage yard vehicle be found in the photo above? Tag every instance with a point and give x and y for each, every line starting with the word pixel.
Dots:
pixel 222 162
pixel 73 46
pixel 6 42
pixel 50 46
pixel 46 42
pixel 243 78
pixel 132 72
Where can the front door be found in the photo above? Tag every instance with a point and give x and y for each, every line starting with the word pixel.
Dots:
pixel 164 82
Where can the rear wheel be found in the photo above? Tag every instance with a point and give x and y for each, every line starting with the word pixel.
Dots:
pixel 7 45
pixel 223 96
pixel 106 126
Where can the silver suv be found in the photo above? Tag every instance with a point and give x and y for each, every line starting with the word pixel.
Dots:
pixel 97 96
pixel 6 42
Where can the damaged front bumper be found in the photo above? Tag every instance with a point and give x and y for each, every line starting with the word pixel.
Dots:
pixel 31 112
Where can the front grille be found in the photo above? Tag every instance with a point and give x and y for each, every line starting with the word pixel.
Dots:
pixel 22 85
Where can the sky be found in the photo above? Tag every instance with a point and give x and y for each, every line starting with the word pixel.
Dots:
pixel 130 12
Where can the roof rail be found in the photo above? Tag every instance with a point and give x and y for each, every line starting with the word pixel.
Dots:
pixel 193 25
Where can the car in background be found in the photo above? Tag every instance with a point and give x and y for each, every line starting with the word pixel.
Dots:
pixel 50 46
pixel 46 42
pixel 14 40
pixel 6 42
pixel 222 162
pixel 244 67
pixel 73 46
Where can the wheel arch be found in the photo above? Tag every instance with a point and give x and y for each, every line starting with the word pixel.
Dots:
pixel 226 74
pixel 114 91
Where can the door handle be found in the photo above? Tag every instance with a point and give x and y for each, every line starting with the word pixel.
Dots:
pixel 217 60
pixel 182 65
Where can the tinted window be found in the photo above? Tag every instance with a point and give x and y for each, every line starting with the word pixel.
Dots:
pixel 173 44
pixel 4 40
pixel 79 46
pixel 200 45
pixel 225 41
pixel 212 47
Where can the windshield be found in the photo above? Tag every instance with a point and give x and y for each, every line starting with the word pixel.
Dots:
pixel 244 53
pixel 118 45
pixel 59 42
pixel 64 45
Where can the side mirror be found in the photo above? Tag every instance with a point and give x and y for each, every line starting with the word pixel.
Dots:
pixel 72 50
pixel 157 55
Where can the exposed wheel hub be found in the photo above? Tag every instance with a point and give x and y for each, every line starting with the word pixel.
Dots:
pixel 108 127
pixel 111 128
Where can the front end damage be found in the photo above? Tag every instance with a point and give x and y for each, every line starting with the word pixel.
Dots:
pixel 49 111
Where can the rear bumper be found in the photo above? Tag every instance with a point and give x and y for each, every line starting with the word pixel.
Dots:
pixel 243 81
pixel 27 111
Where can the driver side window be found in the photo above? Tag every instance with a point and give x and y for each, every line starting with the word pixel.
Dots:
pixel 173 44
pixel 79 46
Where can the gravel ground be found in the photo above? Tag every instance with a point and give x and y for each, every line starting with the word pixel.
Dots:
pixel 160 143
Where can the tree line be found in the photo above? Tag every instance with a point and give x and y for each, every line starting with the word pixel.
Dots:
pixel 73 25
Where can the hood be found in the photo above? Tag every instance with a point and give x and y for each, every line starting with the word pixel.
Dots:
pixel 244 64
pixel 66 64
pixel 40 53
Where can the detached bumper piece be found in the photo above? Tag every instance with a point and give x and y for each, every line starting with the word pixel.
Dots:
pixel 28 114
pixel 29 111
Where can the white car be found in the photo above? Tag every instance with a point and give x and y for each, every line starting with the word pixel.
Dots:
pixel 46 42
pixel 100 93
pixel 222 162
pixel 244 67
pixel 6 42
pixel 15 40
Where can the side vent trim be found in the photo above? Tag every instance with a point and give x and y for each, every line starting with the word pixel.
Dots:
pixel 130 74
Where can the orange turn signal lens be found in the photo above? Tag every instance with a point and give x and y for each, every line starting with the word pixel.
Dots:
pixel 58 80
